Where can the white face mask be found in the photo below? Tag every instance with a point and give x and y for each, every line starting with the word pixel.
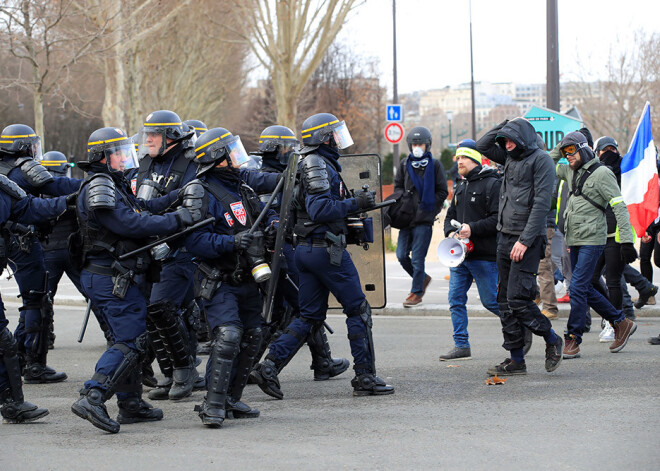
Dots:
pixel 418 152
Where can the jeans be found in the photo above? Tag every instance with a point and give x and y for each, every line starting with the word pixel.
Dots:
pixel 583 293
pixel 484 273
pixel 416 240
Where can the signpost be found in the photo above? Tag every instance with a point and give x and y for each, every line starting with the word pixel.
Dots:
pixel 393 133
pixel 551 125
pixel 394 113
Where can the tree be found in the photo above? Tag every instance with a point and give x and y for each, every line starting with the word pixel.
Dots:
pixel 289 38
pixel 40 36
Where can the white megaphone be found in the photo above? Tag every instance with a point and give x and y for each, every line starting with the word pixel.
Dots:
pixel 452 251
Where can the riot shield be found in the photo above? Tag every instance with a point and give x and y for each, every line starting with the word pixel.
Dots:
pixel 359 170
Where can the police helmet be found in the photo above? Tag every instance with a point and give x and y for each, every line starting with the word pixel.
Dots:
pixel 20 140
pixel 56 163
pixel 419 135
pixel 113 145
pixel 323 127
pixel 278 140
pixel 604 142
pixel 216 146
pixel 196 125
pixel 157 128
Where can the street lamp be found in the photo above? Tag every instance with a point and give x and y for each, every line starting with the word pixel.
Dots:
pixel 450 115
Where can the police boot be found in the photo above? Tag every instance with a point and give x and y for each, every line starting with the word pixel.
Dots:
pixel 226 348
pixel 324 366
pixel 39 373
pixel 135 409
pixel 183 383
pixel 36 371
pixel 162 390
pixel 235 409
pixel 91 406
pixel 14 409
pixel 265 375
pixel 368 384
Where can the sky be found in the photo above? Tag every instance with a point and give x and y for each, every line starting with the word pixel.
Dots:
pixel 509 38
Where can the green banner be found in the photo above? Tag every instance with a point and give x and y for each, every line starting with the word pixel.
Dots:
pixel 551 125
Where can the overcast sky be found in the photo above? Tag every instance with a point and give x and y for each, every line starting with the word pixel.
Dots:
pixel 509 38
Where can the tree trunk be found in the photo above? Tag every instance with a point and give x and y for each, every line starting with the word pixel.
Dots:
pixel 114 109
pixel 39 116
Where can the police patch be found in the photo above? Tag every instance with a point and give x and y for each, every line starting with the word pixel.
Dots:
pixel 239 212
pixel 134 185
pixel 229 219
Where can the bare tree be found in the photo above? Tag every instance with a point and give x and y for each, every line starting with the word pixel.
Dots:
pixel 37 36
pixel 289 38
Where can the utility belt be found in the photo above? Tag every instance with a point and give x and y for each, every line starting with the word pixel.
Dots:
pixel 209 278
pixel 121 276
pixel 335 243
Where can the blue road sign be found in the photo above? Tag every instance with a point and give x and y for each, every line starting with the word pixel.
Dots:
pixel 394 113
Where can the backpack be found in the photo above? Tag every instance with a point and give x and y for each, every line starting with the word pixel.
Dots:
pixel 400 214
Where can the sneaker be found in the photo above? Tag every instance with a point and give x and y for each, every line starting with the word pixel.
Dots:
pixel 622 332
pixel 553 354
pixel 508 368
pixel 457 353
pixel 571 347
pixel 427 282
pixel 644 297
pixel 654 340
pixel 413 300
pixel 607 334
pixel 549 315
pixel 564 299
pixel 560 289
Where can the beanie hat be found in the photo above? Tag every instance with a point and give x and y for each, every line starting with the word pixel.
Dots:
pixel 469 152
pixel 469 143
pixel 586 133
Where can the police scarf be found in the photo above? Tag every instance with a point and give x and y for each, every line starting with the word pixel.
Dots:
pixel 425 188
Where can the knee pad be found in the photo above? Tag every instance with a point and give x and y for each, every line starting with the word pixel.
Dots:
pixel 227 341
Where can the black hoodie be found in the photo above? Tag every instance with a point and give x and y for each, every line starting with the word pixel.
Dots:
pixel 529 177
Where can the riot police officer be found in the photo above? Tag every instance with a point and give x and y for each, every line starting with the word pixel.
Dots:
pixel 276 146
pixel 17 205
pixel 173 317
pixel 114 222
pixel 232 261
pixel 20 151
pixel 196 125
pixel 321 206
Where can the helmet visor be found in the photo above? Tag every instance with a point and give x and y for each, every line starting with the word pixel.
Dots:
pixel 254 162
pixel 286 150
pixel 237 152
pixel 121 158
pixel 152 141
pixel 341 136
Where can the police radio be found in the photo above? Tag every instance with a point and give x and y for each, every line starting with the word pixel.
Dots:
pixel 452 251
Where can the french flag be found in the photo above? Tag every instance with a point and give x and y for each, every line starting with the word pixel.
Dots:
pixel 639 176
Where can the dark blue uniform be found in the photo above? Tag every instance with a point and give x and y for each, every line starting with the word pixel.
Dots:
pixel 124 317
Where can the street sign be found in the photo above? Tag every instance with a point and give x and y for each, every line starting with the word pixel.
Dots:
pixel 393 133
pixel 551 125
pixel 394 113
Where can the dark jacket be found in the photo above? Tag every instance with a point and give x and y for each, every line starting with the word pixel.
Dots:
pixel 403 181
pixel 475 202
pixel 613 161
pixel 527 188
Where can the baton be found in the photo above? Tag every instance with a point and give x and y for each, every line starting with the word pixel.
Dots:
pixel 168 238
pixel 83 328
pixel 269 203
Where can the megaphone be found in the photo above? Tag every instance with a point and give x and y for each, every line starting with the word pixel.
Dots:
pixel 452 252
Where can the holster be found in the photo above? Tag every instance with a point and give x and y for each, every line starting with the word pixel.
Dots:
pixel 121 279
pixel 210 281
pixel 337 244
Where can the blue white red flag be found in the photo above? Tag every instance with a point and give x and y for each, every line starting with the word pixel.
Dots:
pixel 639 176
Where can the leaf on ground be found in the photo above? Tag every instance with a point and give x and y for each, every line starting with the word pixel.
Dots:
pixel 495 380
pixel 453 366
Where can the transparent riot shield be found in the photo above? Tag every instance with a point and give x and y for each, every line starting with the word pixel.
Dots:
pixel 359 170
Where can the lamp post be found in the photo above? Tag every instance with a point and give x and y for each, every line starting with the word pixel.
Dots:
pixel 450 116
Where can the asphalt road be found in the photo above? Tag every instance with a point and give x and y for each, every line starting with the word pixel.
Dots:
pixel 601 411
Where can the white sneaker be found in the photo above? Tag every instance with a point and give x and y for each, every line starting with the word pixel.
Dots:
pixel 560 289
pixel 607 335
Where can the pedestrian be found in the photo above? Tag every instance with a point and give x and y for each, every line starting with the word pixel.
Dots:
pixel 525 198
pixel 424 177
pixel 474 205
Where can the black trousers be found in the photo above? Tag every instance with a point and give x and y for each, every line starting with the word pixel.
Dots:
pixel 645 251
pixel 610 259
pixel 517 289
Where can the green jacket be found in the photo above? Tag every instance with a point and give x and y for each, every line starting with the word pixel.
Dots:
pixel 584 224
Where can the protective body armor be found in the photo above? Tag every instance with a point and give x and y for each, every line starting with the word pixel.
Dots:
pixel 34 173
pixel 176 172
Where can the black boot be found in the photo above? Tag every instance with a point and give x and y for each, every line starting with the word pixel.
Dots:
pixel 18 412
pixel 265 375
pixel 40 373
pixel 162 390
pixel 239 410
pixel 324 366
pixel 135 409
pixel 90 406
pixel 368 384
pixel 225 349
pixel 250 344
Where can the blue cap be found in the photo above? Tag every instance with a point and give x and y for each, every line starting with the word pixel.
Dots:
pixel 469 143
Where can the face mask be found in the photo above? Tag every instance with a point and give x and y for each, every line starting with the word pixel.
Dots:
pixel 418 152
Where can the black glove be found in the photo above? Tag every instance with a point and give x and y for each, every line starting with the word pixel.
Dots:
pixel 71 199
pixel 270 235
pixel 628 253
pixel 242 240
pixel 184 217
pixel 365 199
